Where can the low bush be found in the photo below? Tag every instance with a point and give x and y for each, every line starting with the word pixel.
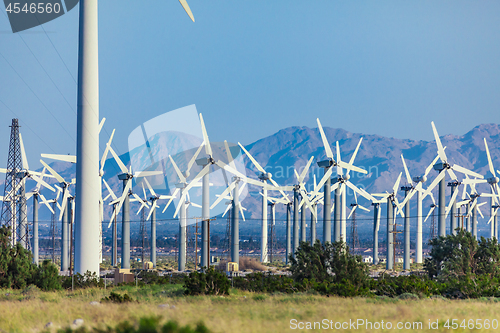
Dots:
pixel 117 298
pixel 266 283
pixel 210 282
pixel 79 281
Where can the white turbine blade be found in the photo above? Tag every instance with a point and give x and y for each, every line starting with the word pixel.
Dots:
pixel 101 124
pixel 182 200
pixel 296 175
pixel 187 9
pixel 355 198
pixel 490 163
pixel 138 198
pixel 227 209
pixel 223 194
pixel 195 205
pixel 230 159
pixel 194 157
pixel 357 190
pixel 202 173
pixel 326 177
pixel 29 195
pixel 363 208
pixel 463 170
pixel 153 193
pixel 254 162
pixel 45 202
pixel 430 212
pixel 493 215
pixel 243 177
pixel 434 183
pixel 121 200
pixel 479 210
pixel 408 177
pixel 41 181
pixel 339 168
pixel 63 158
pixel 399 207
pixel 441 152
pixel 23 153
pixel 306 169
pixel 208 149
pixel 453 198
pixel 109 190
pixel 352 211
pixel 395 188
pixel 55 174
pixel 148 173
pixel 280 188
pixel 353 157
pixel 409 196
pixel 308 203
pixel 328 150
pixel 378 218
pixel 122 166
pixel 106 151
pixel 429 168
pixel 351 167
pixel 242 187
pixel 64 202
pixel 174 195
pixel 242 214
pixel 179 173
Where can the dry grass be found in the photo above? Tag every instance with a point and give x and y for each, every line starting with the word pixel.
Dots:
pixel 240 312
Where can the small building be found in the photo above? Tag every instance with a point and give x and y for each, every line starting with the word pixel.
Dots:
pixel 368 259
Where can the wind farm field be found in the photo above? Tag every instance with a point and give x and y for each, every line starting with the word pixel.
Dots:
pixel 239 312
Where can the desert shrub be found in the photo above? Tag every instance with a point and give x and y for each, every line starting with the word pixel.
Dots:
pixel 461 255
pixel 79 281
pixel 17 269
pixel 145 325
pixel 394 286
pixel 330 269
pixel 210 282
pixel 154 278
pixel 117 298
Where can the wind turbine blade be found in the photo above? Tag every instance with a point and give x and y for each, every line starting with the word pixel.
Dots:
pixel 208 149
pixel 23 153
pixel 493 215
pixel 230 159
pixel 148 173
pixel 353 157
pixel 357 190
pixel 395 188
pixel 463 170
pixel 339 168
pixel 254 162
pixel 434 183
pixel 441 152
pixel 490 163
pixel 55 174
pixel 181 202
pixel 109 190
pixel 202 173
pixel 399 207
pixel 242 187
pixel 378 218
pixel 179 173
pixel 323 180
pixel 453 198
pixel 429 168
pixel 430 212
pixel 363 208
pixel 479 210
pixel 101 124
pixel 328 150
pixel 351 167
pixel 63 158
pixel 187 9
pixel 408 177
pixel 44 201
pixel 64 202
pixel 153 193
pixel 352 211
pixel 174 195
pixel 223 194
pixel 306 169
pixel 409 196
pixel 242 214
pixel 106 151
pixel 227 209
pixel 308 203
pixel 41 181
pixel 194 157
pixel 122 166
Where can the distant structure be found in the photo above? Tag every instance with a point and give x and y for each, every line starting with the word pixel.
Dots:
pixel 14 200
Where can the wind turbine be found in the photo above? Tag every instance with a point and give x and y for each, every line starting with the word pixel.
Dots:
pixel 444 167
pixel 376 225
pixel 326 181
pixel 126 176
pixel 392 205
pixel 114 246
pixel 63 216
pixel 86 233
pixel 183 187
pixel 264 176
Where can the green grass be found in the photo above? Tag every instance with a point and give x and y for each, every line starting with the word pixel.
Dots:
pixel 31 309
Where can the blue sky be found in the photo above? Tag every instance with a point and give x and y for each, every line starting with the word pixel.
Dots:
pixel 255 67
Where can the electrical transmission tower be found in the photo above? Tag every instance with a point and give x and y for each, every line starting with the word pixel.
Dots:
pixel 14 211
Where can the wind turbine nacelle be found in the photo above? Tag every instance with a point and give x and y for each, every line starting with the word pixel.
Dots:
pixel 21 174
pixel 347 177
pixel 491 179
pixel 180 185
pixel 124 176
pixel 204 161
pixel 440 166
pixel 422 179
pixel 265 176
pixel 325 163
